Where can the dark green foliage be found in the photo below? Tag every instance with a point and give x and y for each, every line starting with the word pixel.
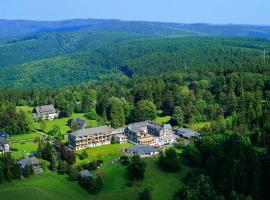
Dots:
pixel 73 173
pixel 92 165
pixel 91 114
pixel 92 184
pixel 62 167
pixel 200 189
pixel 169 161
pixel 116 113
pixel 145 110
pixel 124 160
pixel 113 140
pixel 136 169
pixel 145 194
pixel 14 122
pixel 84 155
pixel 178 116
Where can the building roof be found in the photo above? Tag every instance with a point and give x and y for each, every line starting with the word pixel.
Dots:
pixel 142 149
pixel 4 135
pixel 46 109
pixel 85 173
pixel 29 161
pixel 159 127
pixel 138 126
pixel 187 133
pixel 81 123
pixel 91 131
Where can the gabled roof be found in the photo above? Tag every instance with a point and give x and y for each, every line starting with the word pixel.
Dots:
pixel 29 161
pixel 159 127
pixel 81 123
pixel 187 133
pixel 91 131
pixel 138 126
pixel 142 149
pixel 46 109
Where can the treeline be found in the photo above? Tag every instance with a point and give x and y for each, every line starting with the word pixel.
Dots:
pixel 225 167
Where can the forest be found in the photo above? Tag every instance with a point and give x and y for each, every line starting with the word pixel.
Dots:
pixel 61 59
pixel 122 78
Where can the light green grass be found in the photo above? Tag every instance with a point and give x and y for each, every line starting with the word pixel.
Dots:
pixel 25 109
pixel 105 152
pixel 23 149
pixel 62 123
pixel 52 186
pixel 162 120
pixel 29 136
pixel 199 126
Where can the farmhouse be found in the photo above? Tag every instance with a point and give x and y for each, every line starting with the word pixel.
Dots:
pixel 45 112
pixel 81 123
pixel 142 150
pixel 31 162
pixel 188 134
pixel 90 137
pixel 4 146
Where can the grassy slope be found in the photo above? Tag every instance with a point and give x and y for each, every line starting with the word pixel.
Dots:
pixel 62 123
pixel 29 136
pixel 23 149
pixel 52 186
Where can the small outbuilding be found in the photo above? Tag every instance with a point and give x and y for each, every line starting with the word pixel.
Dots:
pixel 30 162
pixel 142 150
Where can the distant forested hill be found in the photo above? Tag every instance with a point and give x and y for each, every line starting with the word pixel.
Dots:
pixel 20 28
pixel 56 59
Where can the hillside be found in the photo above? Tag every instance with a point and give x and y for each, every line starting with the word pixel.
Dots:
pixel 20 28
pixel 58 59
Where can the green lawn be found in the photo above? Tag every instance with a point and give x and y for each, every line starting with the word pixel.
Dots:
pixel 162 120
pixel 105 152
pixel 25 108
pixel 200 125
pixel 29 136
pixel 52 186
pixel 23 149
pixel 62 123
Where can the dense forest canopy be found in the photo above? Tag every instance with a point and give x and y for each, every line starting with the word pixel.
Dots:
pixel 59 59
pixel 119 78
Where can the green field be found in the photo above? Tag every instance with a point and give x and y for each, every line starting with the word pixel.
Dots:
pixel 106 152
pixel 23 149
pixel 25 108
pixel 29 136
pixel 162 120
pixel 62 123
pixel 200 125
pixel 53 186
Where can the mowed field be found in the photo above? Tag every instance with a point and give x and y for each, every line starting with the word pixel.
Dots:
pixel 53 186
